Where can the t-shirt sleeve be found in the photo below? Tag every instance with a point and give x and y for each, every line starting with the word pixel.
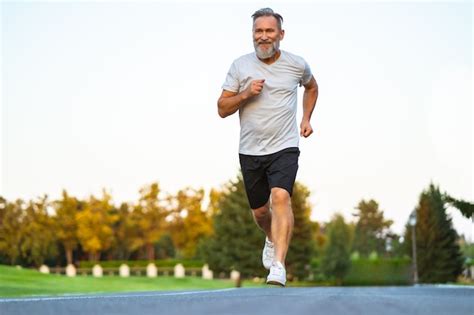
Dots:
pixel 307 74
pixel 231 82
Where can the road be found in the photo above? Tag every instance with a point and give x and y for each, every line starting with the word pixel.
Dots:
pixel 430 300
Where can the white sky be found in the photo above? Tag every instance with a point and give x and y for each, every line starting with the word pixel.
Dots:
pixel 119 95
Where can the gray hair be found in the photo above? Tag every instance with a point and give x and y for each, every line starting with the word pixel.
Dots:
pixel 268 12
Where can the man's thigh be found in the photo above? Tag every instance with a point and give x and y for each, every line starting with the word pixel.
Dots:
pixel 255 180
pixel 283 169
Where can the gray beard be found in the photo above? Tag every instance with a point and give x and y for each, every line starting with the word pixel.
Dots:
pixel 268 53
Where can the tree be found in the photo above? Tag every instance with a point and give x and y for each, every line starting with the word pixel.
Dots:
pixel 319 238
pixel 125 230
pixel 302 245
pixel 336 259
pixel 190 222
pixel 66 224
pixel 149 216
pixel 38 236
pixel 465 207
pixel 439 257
pixel 165 248
pixel 10 228
pixel 95 223
pixel 237 242
pixel 371 229
pixel 215 196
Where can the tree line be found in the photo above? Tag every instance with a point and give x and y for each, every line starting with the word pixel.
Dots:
pixel 67 230
pixel 222 233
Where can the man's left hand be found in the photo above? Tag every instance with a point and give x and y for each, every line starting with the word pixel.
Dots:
pixel 306 129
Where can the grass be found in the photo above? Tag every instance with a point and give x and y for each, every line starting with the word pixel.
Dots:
pixel 27 282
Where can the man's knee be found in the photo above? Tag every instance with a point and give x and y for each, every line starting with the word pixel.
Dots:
pixel 280 196
pixel 261 212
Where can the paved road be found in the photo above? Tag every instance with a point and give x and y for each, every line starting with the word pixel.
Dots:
pixel 430 300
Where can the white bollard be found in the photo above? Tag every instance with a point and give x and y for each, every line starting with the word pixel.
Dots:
pixel 179 271
pixel 234 275
pixel 151 270
pixel 44 269
pixel 70 270
pixel 97 271
pixel 124 271
pixel 206 273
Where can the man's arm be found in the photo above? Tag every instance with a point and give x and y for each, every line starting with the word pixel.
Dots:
pixel 229 102
pixel 310 97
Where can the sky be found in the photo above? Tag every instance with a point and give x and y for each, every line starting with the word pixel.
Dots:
pixel 119 95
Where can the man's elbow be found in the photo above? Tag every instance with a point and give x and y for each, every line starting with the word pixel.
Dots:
pixel 221 111
pixel 222 114
pixel 314 89
pixel 314 86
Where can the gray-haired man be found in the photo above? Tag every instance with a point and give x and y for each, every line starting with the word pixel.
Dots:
pixel 262 86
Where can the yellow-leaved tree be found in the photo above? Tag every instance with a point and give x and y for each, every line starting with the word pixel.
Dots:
pixel 38 238
pixel 10 228
pixel 65 223
pixel 95 225
pixel 149 219
pixel 190 222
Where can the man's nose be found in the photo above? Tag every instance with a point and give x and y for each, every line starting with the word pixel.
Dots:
pixel 264 35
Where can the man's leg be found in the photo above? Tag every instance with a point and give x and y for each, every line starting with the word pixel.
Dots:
pixel 263 218
pixel 282 222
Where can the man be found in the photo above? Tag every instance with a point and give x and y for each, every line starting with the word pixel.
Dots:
pixel 262 86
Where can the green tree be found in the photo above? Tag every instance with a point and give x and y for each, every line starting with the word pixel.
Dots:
pixel 10 229
pixel 396 245
pixel 371 229
pixel 236 242
pixel 465 207
pixel 336 259
pixel 302 244
pixel 95 224
pixel 439 257
pixel 165 248
pixel 38 235
pixel 66 224
pixel 467 250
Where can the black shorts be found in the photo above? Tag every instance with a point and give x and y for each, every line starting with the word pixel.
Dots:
pixel 261 173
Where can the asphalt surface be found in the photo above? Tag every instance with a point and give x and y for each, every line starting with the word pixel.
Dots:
pixel 275 301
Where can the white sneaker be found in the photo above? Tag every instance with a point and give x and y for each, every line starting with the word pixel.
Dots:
pixel 277 274
pixel 268 254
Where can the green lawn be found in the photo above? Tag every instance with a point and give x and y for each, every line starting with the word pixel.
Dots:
pixel 27 282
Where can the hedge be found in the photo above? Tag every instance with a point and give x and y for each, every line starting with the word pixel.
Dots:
pixel 143 263
pixel 381 271
pixel 365 271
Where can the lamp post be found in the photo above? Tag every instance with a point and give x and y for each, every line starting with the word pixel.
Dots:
pixel 412 222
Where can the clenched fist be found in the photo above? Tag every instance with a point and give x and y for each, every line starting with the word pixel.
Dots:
pixel 305 129
pixel 255 87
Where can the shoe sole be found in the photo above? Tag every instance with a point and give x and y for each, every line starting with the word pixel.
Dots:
pixel 273 282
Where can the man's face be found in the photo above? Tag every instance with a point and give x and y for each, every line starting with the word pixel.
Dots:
pixel 266 36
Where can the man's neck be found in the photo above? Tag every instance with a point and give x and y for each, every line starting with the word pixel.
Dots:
pixel 272 59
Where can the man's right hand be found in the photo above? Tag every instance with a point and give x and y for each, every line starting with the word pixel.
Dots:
pixel 229 102
pixel 255 88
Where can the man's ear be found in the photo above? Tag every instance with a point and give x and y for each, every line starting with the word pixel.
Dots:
pixel 282 34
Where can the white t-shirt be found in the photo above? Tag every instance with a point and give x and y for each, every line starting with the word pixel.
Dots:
pixel 268 120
